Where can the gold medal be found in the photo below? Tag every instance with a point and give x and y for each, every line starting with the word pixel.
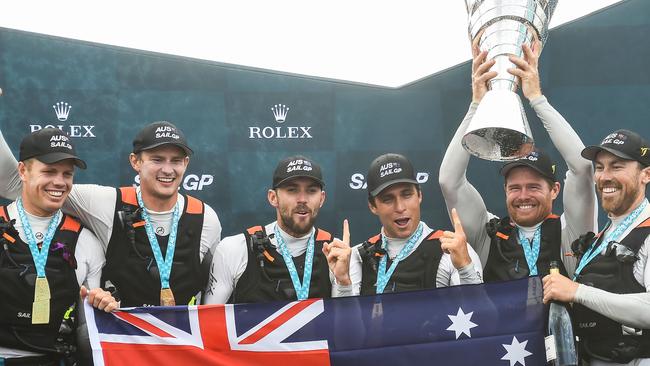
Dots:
pixel 167 297
pixel 42 289
pixel 41 312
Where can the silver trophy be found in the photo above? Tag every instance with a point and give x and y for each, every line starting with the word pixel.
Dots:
pixel 499 129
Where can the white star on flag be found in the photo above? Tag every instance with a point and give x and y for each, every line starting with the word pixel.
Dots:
pixel 516 352
pixel 461 323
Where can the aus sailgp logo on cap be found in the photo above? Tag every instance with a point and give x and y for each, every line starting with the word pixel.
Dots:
pixel 299 164
pixel 389 169
pixel 280 112
pixel 614 138
pixel 62 110
pixel 60 141
pixel 533 156
pixel 166 132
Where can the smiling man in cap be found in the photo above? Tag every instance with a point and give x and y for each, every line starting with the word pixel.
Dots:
pixel 48 258
pixel 137 225
pixel 610 294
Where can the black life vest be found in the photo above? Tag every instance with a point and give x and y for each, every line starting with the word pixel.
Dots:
pixel 601 337
pixel 266 277
pixel 17 278
pixel 415 272
pixel 131 266
pixel 507 260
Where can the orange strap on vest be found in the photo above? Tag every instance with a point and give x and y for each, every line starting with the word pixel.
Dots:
pixel 323 235
pixel 502 235
pixel 435 235
pixel 128 195
pixel 374 239
pixel 252 230
pixel 71 224
pixel 4 215
pixel 646 223
pixel 194 206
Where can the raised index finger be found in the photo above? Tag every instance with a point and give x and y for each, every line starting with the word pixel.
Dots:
pixel 346 232
pixel 458 226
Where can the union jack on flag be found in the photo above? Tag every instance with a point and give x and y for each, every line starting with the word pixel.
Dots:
pixel 492 324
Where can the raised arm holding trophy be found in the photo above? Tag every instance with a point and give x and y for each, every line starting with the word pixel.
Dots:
pixel 499 129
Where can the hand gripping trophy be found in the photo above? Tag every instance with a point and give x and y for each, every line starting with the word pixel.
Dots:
pixel 499 130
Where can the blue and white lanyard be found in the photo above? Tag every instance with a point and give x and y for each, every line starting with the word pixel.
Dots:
pixel 382 275
pixel 531 250
pixel 39 257
pixel 612 236
pixel 302 290
pixel 164 263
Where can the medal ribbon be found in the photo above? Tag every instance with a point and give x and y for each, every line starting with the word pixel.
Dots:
pixel 382 275
pixel 39 256
pixel 164 263
pixel 302 290
pixel 612 236
pixel 531 250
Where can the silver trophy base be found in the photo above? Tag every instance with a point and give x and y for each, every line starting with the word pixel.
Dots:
pixel 499 130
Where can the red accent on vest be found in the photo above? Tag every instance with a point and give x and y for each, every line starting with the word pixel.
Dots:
pixel 254 229
pixel 71 224
pixel 374 239
pixel 435 235
pixel 323 235
pixel 129 196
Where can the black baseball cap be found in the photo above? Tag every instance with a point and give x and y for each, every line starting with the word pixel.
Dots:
pixel 294 167
pixel 536 160
pixel 49 146
pixel 387 170
pixel 625 144
pixel 157 134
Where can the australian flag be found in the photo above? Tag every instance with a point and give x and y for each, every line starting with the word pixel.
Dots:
pixel 490 324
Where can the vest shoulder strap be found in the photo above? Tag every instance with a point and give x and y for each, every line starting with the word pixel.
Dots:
pixel 253 229
pixel 128 196
pixel 635 238
pixel 193 205
pixel 71 224
pixel 435 235
pixel 374 239
pixel 5 216
pixel 645 223
pixel 3 213
pixel 323 235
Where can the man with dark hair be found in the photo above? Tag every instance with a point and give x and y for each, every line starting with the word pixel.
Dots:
pixel 283 260
pixel 524 243
pixel 47 258
pixel 613 276
pixel 406 255
pixel 152 232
